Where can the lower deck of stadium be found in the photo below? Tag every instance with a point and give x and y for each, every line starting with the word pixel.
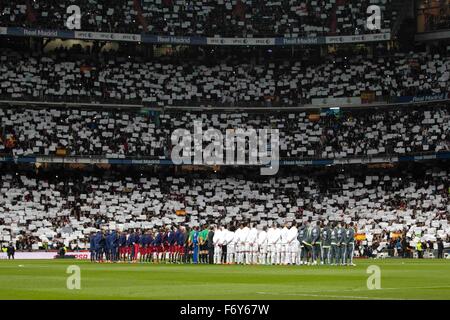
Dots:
pixel 92 198
pixel 46 208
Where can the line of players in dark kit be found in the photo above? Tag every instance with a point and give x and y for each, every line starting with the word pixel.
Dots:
pixel 167 244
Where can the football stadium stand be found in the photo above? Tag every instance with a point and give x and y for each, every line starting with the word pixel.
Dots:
pixel 226 18
pixel 303 135
pixel 232 80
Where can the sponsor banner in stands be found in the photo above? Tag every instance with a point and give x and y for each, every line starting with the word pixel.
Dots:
pixel 359 38
pixel 108 36
pixel 35 255
pixel 241 41
pixel 18 159
pixel 426 98
pixel 299 41
pixel 286 162
pixel 71 160
pixel 24 159
pixel 173 39
pixel 281 41
pixel 150 161
pixel 386 159
pixel 42 33
pixel 336 102
pixel 440 155
pixel 305 162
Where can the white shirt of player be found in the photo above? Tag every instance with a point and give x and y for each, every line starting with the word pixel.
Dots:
pixel 274 236
pixel 252 236
pixel 270 232
pixel 292 235
pixel 217 239
pixel 244 235
pixel 230 237
pixel 284 235
pixel 262 238
pixel 225 236
pixel 237 235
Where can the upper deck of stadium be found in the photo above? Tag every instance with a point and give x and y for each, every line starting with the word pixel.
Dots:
pixel 225 18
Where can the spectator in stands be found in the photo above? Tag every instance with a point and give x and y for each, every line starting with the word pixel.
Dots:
pixel 404 244
pixel 440 248
pixel 419 249
pixel 10 251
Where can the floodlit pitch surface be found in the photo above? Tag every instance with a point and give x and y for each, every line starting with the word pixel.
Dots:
pixel 400 279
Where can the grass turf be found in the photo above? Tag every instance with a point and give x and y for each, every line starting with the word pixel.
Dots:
pixel 400 279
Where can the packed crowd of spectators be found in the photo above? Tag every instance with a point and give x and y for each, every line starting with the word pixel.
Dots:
pixel 226 18
pixel 96 15
pixel 325 135
pixel 81 132
pixel 214 80
pixel 48 207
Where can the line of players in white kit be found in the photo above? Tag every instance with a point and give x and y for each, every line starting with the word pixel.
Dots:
pixel 305 244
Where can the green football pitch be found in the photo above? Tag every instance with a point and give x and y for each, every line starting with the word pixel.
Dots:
pixel 400 279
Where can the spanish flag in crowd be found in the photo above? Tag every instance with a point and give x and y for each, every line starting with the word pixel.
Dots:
pixel 180 213
pixel 395 235
pixel 360 237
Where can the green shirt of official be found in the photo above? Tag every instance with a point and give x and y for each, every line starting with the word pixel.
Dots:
pixel 204 235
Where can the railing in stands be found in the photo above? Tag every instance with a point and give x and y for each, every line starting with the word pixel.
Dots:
pixel 208 105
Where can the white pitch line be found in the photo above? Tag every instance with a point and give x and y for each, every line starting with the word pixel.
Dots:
pixel 401 288
pixel 328 296
pixel 311 293
pixel 406 288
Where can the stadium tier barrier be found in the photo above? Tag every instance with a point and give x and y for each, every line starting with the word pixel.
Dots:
pixel 46 255
pixel 180 40
pixel 169 162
